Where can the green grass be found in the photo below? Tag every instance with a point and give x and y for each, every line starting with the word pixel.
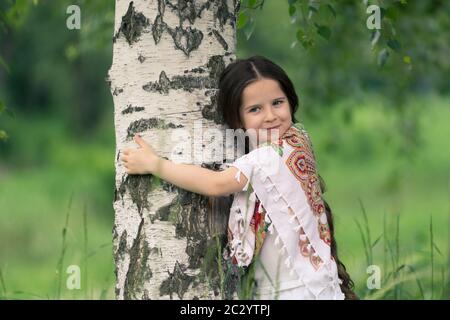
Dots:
pixel 42 168
pixel 411 187
pixel 38 239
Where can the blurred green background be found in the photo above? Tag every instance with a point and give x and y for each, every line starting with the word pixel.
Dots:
pixel 377 112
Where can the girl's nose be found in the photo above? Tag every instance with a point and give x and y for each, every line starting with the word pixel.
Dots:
pixel 270 115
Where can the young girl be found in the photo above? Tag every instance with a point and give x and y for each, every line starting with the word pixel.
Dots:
pixel 278 220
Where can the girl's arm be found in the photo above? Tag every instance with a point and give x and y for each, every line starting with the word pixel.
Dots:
pixel 190 177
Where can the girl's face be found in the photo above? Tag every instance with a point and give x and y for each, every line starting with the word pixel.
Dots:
pixel 265 106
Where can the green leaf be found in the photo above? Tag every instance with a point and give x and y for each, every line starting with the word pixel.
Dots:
pixel 376 241
pixel 291 10
pixel 382 57
pixel 249 28
pixel 251 3
pixel 314 9
pixel 407 59
pixel 291 2
pixel 330 7
pixel 242 20
pixel 304 39
pixel 394 44
pixel 3 135
pixel 4 65
pixel 437 249
pixel 324 31
pixel 2 106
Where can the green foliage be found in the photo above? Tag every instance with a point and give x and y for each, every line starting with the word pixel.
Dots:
pixel 246 18
pixel 66 142
pixel 404 278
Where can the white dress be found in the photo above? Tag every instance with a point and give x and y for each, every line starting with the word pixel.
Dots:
pixel 294 260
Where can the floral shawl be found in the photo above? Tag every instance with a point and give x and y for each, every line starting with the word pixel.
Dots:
pixel 283 192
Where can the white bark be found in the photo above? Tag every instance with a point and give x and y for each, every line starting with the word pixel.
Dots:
pixel 167 57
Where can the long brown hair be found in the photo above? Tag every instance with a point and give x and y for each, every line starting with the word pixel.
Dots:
pixel 233 80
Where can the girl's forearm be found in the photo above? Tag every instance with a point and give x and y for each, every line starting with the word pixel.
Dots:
pixel 189 177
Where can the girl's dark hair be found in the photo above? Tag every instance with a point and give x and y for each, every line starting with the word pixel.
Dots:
pixel 233 80
pixel 238 75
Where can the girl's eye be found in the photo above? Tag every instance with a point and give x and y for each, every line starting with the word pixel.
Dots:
pixel 278 102
pixel 254 109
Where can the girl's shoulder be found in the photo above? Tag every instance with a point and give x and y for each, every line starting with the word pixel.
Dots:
pixel 296 137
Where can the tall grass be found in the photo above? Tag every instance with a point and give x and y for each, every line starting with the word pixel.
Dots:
pixel 85 251
pixel 59 267
pixel 59 272
pixel 2 285
pixel 399 275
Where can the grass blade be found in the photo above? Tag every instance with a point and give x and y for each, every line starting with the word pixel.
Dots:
pixel 432 256
pixel 2 284
pixel 63 250
pixel 85 250
pixel 361 232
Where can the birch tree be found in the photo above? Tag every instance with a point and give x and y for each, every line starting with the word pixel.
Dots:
pixel 167 57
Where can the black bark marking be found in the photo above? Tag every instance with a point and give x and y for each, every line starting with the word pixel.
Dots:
pixel 187 39
pixel 154 251
pixel 117 91
pixel 192 224
pixel 209 111
pixel 158 28
pixel 165 212
pixel 200 220
pixel 161 86
pixel 139 271
pixel 220 39
pixel 147 124
pixel 188 82
pixel 141 58
pixel 196 70
pixel 133 23
pixel 131 109
pixel 185 10
pixel 185 82
pixel 178 282
pixel 138 187
pixel 216 66
pixel 222 14
pixel 115 247
pixel 204 6
pixel 122 248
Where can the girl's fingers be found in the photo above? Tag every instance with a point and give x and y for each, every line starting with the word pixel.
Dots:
pixel 140 142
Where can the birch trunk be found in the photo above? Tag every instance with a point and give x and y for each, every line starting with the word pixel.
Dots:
pixel 167 57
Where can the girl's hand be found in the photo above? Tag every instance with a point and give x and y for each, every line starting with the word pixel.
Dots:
pixel 142 160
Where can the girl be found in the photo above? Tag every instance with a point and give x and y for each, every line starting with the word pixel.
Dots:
pixel 278 222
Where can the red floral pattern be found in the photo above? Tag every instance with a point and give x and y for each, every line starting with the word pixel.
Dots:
pixel 307 250
pixel 302 164
pixel 259 226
